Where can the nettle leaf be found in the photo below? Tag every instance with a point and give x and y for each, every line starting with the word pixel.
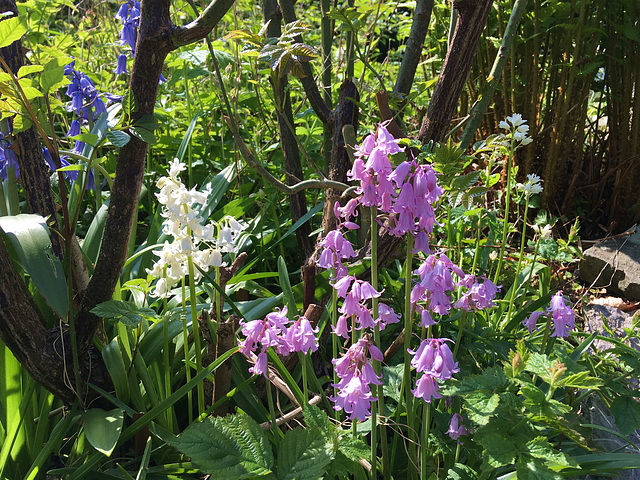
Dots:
pixel 540 365
pixel 581 380
pixel 492 379
pixel 532 470
pixel 541 449
pixel 103 429
pixel 461 472
pixel 480 406
pixel 318 420
pixel 304 454
pixel 232 447
pixel 127 313
pixel 392 381
pixel 354 448
pixel 627 414
pixel 11 30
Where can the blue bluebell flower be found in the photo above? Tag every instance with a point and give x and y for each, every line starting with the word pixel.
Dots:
pixel 8 159
pixel 121 68
pixel 85 99
pixel 129 15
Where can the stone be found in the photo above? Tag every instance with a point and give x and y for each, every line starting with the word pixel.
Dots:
pixel 614 264
pixel 593 409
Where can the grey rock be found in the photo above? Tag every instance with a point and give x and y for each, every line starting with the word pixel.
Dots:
pixel 617 321
pixel 614 264
pixel 593 408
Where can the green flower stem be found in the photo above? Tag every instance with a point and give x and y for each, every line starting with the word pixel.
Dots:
pixel 193 303
pixel 305 380
pixel 406 377
pixel 518 268
pixel 334 341
pixel 545 338
pixel 457 453
pixel 460 332
pixel 424 443
pixel 507 201
pixel 376 365
pixel 185 341
pixel 477 246
pixel 272 413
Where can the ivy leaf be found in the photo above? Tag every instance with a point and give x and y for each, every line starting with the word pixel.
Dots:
pixel 304 454
pixel 228 448
pixel 11 30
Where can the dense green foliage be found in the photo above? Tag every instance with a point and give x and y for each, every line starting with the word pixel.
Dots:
pixel 179 401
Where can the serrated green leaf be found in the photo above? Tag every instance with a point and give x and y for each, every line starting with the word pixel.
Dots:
pixel 149 122
pixel 627 414
pixel 318 421
pixel 118 138
pixel 143 134
pixel 580 380
pixel 461 472
pixel 492 379
pixel 28 69
pixel 480 405
pixel 540 365
pixel 392 381
pixel 541 449
pixel 103 429
pixel 29 237
pixel 125 312
pixel 354 448
pixel 532 470
pixel 11 30
pixel 228 448
pixel 303 455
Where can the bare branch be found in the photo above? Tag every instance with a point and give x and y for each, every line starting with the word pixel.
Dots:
pixel 201 26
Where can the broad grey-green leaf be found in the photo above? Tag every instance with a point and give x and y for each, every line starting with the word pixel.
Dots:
pixel 303 455
pixel 11 30
pixel 29 237
pixel 103 429
pixel 228 448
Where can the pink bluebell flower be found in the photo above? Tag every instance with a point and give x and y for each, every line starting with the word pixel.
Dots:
pixel 456 428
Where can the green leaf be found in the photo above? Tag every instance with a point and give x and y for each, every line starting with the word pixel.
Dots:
pixel 532 470
pixel 354 448
pixel 112 356
pixel 492 379
pixel 127 313
pixel 52 76
pixel 480 406
pixel 627 414
pixel 285 284
pixel 501 442
pixel 303 455
pixel 319 421
pixel 461 472
pixel 143 134
pixel 541 449
pixel 28 69
pixel 29 236
pixel 118 138
pixel 148 122
pixel 103 429
pixel 11 30
pixel 232 447
pixel 90 138
pixel 580 380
